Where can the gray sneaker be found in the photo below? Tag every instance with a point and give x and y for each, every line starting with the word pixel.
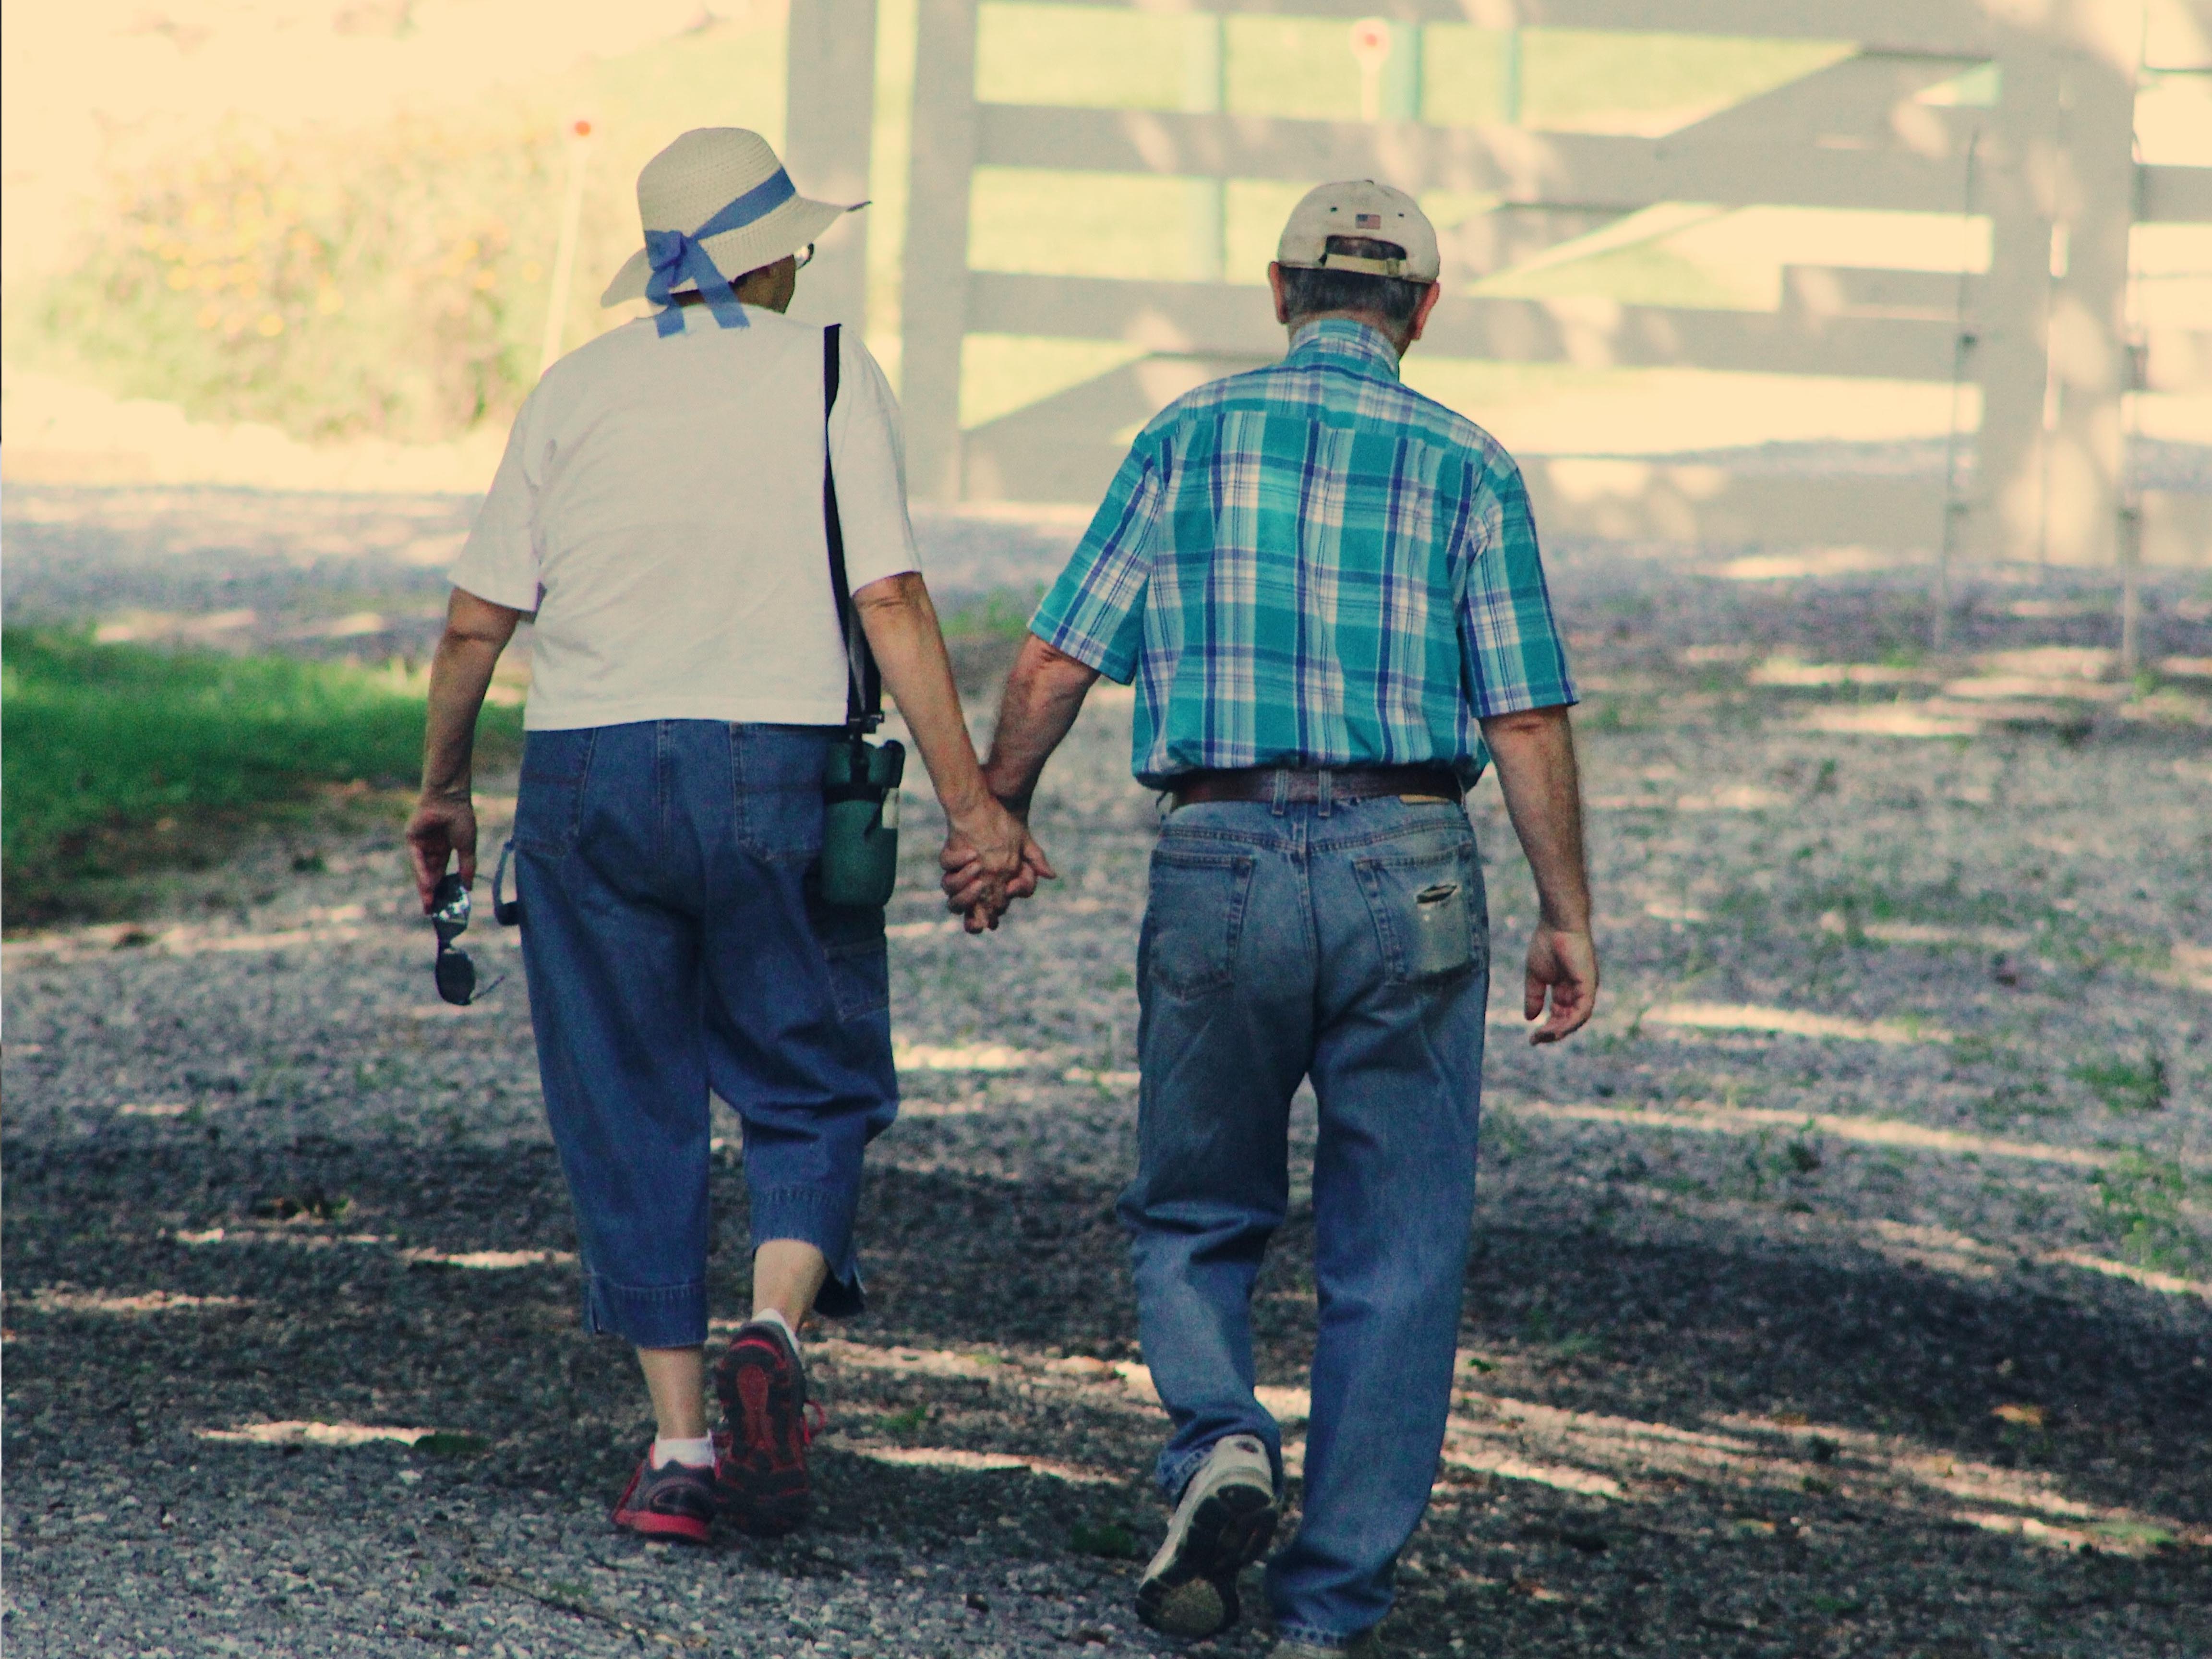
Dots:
pixel 1221 1525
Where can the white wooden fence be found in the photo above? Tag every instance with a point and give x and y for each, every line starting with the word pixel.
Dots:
pixel 2044 332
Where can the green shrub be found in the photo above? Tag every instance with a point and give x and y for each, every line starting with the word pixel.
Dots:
pixel 386 280
pixel 333 285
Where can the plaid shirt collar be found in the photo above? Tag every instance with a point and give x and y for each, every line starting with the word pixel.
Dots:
pixel 1346 344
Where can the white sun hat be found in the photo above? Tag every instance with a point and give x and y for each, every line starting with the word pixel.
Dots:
pixel 715 205
pixel 1360 207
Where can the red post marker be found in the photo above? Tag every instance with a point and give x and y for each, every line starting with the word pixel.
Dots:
pixel 1370 48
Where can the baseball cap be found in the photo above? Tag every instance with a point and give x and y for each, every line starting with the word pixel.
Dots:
pixel 1360 207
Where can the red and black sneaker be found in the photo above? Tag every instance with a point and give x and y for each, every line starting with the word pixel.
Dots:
pixel 765 1432
pixel 674 1502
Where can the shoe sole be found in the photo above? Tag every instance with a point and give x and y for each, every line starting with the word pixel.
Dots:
pixel 674 1528
pixel 764 1502
pixel 1194 1596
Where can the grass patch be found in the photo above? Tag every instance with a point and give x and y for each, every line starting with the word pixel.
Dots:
pixel 2015 1098
pixel 314 1204
pixel 448 1444
pixel 2127 1085
pixel 1946 903
pixel 1622 713
pixel 983 636
pixel 1004 613
pixel 1504 1137
pixel 899 1425
pixel 120 760
pixel 2139 1199
pixel 1107 1539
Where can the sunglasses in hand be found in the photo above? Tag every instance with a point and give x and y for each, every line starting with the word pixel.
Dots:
pixel 456 975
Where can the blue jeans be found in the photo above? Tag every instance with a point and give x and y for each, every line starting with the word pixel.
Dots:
pixel 673 944
pixel 1350 945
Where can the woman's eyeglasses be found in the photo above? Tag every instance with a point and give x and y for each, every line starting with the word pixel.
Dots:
pixel 449 918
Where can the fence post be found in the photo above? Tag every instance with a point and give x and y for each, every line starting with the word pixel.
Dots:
pixel 1401 74
pixel 2006 520
pixel 1205 92
pixel 2085 469
pixel 935 303
pixel 828 130
pixel 2054 313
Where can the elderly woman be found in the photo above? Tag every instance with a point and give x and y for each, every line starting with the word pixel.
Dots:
pixel 663 512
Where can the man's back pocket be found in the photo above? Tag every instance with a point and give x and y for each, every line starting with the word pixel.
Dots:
pixel 1194 917
pixel 1428 913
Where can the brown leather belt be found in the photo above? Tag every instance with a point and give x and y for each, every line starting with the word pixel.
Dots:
pixel 1347 784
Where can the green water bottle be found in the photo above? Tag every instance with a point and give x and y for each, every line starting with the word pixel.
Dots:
pixel 860 823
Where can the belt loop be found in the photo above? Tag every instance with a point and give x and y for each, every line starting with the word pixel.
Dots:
pixel 1281 798
pixel 1322 792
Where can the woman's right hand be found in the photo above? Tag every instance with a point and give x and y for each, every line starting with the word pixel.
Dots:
pixel 443 827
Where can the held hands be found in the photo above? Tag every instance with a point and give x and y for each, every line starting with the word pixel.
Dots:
pixel 1564 962
pixel 990 860
pixel 443 826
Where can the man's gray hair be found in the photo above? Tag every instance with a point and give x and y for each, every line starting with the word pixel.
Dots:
pixel 1309 293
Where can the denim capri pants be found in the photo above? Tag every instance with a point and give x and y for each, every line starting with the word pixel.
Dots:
pixel 674 945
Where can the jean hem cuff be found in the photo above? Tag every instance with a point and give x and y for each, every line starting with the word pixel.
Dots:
pixel 1175 1474
pixel 823 1219
pixel 647 1316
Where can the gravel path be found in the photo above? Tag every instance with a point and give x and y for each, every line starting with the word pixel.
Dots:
pixel 1846 1290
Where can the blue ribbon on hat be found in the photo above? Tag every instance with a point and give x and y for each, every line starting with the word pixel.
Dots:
pixel 675 255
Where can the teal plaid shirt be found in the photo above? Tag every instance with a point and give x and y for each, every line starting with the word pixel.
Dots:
pixel 1311 565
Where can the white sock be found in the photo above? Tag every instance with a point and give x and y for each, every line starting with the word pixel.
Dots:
pixel 695 1454
pixel 775 1317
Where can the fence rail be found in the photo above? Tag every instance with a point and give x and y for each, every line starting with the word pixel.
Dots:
pixel 1950 28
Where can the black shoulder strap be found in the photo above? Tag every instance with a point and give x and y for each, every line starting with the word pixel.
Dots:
pixel 864 686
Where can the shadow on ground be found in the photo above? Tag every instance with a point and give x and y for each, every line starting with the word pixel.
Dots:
pixel 1001 1287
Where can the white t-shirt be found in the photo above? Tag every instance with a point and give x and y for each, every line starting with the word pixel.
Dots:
pixel 659 507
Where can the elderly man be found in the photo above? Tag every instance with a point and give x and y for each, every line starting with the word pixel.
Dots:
pixel 1327 588
pixel 669 508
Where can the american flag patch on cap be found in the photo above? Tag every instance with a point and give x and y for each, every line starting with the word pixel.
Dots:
pixel 1368 221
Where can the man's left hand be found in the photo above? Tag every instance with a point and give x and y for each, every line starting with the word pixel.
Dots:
pixel 442 827
pixel 1564 962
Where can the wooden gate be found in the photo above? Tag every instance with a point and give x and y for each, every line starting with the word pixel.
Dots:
pixel 2044 332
